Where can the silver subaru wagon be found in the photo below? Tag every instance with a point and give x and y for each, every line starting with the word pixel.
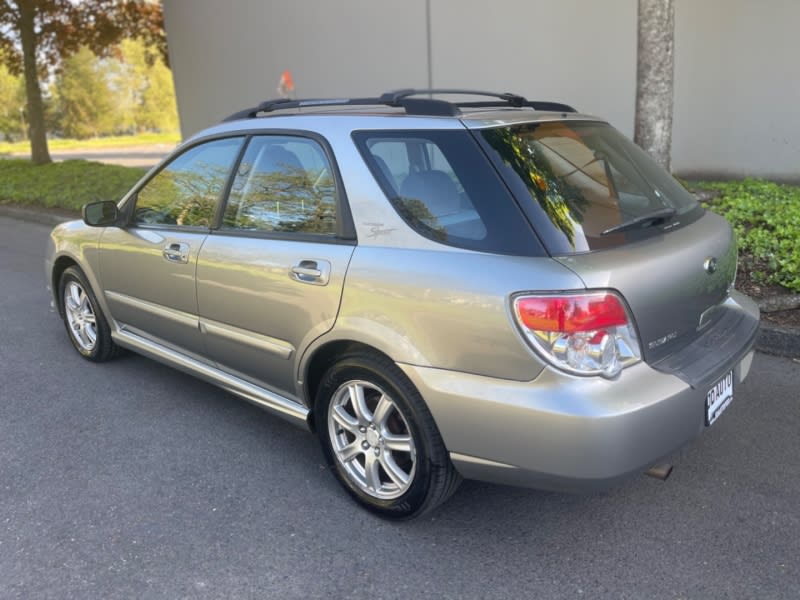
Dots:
pixel 497 289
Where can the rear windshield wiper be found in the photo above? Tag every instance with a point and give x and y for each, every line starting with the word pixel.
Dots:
pixel 646 220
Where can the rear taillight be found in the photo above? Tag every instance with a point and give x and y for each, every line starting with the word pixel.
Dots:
pixel 587 333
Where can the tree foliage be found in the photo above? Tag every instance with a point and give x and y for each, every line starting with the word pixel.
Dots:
pixel 143 88
pixel 12 102
pixel 86 106
pixel 62 27
pixel 158 110
pixel 37 35
pixel 118 95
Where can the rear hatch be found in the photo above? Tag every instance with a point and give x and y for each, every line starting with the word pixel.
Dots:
pixel 604 209
pixel 672 282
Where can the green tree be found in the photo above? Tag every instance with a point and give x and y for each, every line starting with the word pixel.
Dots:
pixel 12 103
pixel 158 109
pixel 128 77
pixel 145 93
pixel 85 100
pixel 36 35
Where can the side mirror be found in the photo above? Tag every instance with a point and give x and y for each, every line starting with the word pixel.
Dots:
pixel 101 214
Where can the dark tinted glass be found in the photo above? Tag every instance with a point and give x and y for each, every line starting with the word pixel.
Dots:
pixel 187 190
pixel 585 178
pixel 443 186
pixel 283 184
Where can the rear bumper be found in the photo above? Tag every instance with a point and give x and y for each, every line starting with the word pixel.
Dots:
pixel 719 346
pixel 565 433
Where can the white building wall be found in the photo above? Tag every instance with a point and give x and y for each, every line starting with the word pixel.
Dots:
pixel 228 55
pixel 737 89
pixel 580 52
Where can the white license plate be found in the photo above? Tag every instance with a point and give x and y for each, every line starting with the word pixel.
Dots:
pixel 719 397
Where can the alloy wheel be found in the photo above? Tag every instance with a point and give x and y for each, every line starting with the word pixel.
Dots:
pixel 371 440
pixel 80 316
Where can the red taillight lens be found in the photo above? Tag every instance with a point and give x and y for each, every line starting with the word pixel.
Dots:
pixel 571 314
pixel 586 333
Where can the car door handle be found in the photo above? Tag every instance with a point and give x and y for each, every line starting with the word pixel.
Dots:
pixel 315 272
pixel 176 252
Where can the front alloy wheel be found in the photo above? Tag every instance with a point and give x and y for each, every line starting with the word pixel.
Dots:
pixel 88 328
pixel 81 320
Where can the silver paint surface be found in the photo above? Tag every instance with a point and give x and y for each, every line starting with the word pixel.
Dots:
pixel 235 315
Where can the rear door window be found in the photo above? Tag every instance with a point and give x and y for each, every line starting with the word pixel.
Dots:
pixel 442 185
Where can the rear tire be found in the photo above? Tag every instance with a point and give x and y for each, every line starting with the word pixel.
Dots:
pixel 380 439
pixel 86 324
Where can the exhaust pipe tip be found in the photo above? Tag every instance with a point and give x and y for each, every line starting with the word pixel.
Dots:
pixel 661 472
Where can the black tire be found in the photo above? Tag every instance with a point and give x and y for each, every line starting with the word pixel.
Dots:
pixel 98 347
pixel 431 477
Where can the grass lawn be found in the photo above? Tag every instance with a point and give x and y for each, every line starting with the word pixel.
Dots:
pixel 144 139
pixel 67 185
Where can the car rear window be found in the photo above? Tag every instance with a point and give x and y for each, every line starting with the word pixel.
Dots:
pixel 591 187
pixel 442 185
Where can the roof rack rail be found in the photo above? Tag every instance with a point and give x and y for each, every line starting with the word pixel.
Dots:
pixel 406 98
pixel 504 99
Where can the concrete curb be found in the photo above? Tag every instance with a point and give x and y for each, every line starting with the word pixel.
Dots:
pixel 772 339
pixel 778 340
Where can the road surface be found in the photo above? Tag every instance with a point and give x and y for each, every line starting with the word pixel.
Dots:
pixel 129 156
pixel 132 480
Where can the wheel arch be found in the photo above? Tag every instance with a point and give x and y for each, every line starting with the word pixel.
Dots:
pixel 61 264
pixel 433 478
pixel 321 358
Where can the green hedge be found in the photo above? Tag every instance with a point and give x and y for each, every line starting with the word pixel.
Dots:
pixel 766 217
pixel 67 185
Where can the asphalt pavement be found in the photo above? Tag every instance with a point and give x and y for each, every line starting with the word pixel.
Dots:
pixel 132 480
